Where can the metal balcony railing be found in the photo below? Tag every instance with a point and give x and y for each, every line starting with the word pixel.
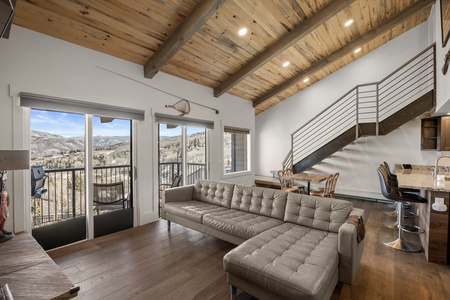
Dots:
pixel 168 170
pixel 65 197
pixel 367 103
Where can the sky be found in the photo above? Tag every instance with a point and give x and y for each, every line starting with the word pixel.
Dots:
pixel 72 125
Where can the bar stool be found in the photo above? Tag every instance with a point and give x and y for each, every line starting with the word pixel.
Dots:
pixel 391 180
pixel 389 193
pixel 410 214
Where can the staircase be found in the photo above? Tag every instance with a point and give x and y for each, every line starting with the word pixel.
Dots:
pixel 367 110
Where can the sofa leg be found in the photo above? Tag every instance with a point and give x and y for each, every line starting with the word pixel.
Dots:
pixel 233 291
pixel 168 225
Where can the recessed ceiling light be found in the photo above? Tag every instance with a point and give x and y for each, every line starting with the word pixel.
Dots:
pixel 305 80
pixel 348 23
pixel 243 31
pixel 357 50
pixel 286 63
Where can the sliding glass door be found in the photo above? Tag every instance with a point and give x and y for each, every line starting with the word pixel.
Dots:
pixel 58 184
pixel 182 155
pixel 58 176
pixel 112 175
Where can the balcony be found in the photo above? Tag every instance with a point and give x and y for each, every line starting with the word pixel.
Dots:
pixel 66 194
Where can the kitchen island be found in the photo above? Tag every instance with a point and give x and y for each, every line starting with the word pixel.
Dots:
pixel 434 221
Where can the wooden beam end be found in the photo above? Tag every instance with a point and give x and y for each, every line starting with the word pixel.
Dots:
pixel 218 92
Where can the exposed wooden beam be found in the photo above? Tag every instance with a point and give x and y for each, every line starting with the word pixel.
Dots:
pixel 202 12
pixel 347 49
pixel 284 43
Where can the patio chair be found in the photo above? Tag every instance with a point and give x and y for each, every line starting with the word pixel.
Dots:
pixel 176 180
pixel 109 196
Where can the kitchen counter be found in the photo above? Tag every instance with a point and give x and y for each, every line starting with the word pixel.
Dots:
pixel 435 240
pixel 421 177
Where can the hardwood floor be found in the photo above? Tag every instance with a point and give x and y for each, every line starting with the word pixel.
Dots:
pixel 150 262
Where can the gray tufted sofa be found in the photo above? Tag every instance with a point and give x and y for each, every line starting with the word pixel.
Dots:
pixel 291 246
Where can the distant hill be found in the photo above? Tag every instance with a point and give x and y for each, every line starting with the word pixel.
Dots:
pixel 44 144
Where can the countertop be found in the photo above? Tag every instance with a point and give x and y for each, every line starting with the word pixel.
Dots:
pixel 421 177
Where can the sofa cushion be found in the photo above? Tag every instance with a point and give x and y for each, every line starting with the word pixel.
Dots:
pixel 261 201
pixel 192 210
pixel 289 260
pixel 218 193
pixel 239 223
pixel 317 212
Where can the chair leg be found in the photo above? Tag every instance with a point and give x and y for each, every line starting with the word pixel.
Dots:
pixel 233 292
pixel 168 225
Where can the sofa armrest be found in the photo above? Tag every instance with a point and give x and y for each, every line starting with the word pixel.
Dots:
pixel 176 194
pixel 350 250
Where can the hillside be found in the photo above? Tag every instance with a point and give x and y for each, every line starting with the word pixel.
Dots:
pixel 57 152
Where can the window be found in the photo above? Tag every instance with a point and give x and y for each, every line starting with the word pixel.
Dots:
pixel 236 150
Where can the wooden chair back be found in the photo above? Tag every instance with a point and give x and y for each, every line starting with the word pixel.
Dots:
pixel 286 184
pixel 333 184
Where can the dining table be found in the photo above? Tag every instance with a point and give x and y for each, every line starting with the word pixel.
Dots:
pixel 308 177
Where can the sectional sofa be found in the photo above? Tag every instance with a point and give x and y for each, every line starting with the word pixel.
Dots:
pixel 290 246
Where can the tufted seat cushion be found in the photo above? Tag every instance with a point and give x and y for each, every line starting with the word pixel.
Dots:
pixel 261 201
pixel 192 210
pixel 317 212
pixel 239 223
pixel 289 260
pixel 213 192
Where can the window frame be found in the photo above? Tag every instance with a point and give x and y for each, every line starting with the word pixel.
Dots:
pixel 232 129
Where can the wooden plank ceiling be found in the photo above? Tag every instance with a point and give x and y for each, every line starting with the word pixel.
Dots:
pixel 198 40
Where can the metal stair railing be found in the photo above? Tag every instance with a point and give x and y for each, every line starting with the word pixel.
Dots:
pixel 287 161
pixel 367 103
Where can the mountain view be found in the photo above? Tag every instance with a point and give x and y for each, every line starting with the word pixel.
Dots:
pixel 57 152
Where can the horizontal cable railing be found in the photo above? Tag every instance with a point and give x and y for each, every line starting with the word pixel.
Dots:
pixel 367 103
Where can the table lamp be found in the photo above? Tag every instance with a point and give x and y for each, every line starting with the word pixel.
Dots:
pixel 9 160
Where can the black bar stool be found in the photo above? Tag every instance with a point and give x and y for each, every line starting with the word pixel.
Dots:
pixel 399 197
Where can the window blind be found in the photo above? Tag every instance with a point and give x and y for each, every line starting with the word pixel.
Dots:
pixel 236 130
pixel 178 120
pixel 81 107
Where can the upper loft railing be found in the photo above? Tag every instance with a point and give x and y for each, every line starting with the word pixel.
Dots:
pixel 367 103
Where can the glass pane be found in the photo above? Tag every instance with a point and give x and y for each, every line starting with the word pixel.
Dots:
pixel 111 162
pixel 235 152
pixel 196 154
pixel 57 163
pixel 170 154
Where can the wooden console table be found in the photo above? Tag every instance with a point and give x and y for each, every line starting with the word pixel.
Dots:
pixel 30 273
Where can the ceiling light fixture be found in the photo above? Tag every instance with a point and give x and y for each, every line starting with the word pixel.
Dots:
pixel 357 50
pixel 348 23
pixel 243 31
pixel 286 63
pixel 305 80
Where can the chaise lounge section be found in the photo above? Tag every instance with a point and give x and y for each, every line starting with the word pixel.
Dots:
pixel 291 246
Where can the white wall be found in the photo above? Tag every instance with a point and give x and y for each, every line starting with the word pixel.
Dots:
pixel 357 163
pixel 36 63
pixel 442 81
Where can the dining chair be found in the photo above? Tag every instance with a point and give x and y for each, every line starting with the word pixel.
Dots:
pixel 286 184
pixel 326 191
pixel 300 187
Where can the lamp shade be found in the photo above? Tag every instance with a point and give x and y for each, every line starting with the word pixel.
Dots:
pixel 14 159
